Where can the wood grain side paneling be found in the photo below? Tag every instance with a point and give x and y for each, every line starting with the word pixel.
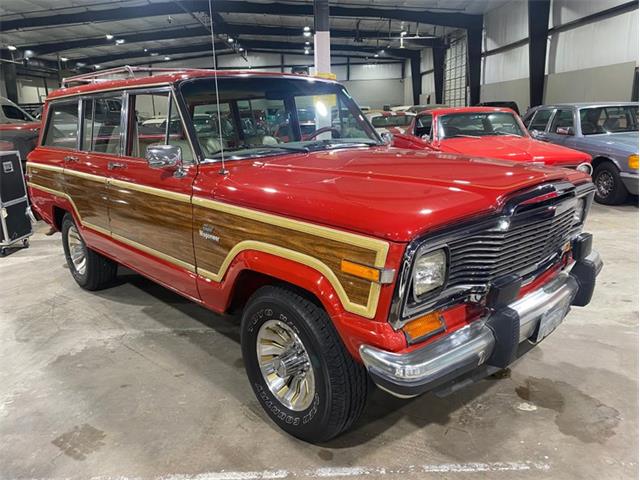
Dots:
pixel 90 198
pixel 232 229
pixel 159 223
pixel 50 179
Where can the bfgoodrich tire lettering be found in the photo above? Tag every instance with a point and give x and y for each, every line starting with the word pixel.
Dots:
pixel 89 269
pixel 340 383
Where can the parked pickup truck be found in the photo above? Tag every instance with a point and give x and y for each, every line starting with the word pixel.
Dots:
pixel 349 259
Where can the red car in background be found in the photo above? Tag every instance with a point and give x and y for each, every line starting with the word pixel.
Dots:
pixel 18 130
pixel 485 132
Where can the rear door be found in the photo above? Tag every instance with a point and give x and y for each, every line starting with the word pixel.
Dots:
pixel 150 208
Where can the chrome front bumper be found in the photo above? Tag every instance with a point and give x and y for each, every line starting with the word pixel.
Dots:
pixel 410 374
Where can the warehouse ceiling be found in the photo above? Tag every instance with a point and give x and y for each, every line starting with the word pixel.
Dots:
pixel 110 33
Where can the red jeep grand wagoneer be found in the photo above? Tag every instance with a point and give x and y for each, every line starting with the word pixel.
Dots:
pixel 351 260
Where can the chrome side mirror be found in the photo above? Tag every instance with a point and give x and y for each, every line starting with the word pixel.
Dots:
pixel 387 138
pixel 163 156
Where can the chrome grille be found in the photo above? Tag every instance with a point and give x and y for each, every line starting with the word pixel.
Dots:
pixel 483 256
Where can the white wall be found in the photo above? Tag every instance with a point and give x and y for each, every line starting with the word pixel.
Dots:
pixel 504 76
pixel 595 61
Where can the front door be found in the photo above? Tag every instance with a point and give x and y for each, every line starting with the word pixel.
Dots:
pixel 150 208
pixel 562 126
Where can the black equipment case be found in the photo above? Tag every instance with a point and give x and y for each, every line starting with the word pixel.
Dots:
pixel 15 213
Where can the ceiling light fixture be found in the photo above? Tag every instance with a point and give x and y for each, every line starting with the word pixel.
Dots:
pixel 146 50
pixel 241 49
pixel 376 56
pixel 119 41
pixel 230 40
pixel 306 34
pixel 306 29
pixel 154 54
pixel 109 36
pixel 63 59
pixel 12 48
pixel 96 67
pixel 29 53
pixel 166 59
pixel 307 43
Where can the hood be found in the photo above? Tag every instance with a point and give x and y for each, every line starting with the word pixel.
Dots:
pixel 386 192
pixel 521 149
pixel 19 126
pixel 626 142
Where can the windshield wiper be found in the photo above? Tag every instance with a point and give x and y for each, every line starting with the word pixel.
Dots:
pixel 331 143
pixel 464 136
pixel 251 150
pixel 281 147
pixel 509 134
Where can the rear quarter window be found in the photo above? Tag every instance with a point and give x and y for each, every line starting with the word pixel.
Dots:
pixel 62 125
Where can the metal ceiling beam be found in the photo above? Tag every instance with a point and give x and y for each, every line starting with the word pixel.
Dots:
pixel 248 45
pixel 456 20
pixel 186 32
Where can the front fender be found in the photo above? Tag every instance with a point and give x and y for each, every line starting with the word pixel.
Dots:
pixel 353 329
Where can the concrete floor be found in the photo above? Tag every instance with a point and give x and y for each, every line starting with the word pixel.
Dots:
pixel 135 382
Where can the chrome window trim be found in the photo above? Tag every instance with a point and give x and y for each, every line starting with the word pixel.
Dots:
pixel 93 97
pixel 400 314
pixel 172 96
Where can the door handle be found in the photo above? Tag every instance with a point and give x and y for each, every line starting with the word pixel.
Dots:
pixel 71 158
pixel 116 165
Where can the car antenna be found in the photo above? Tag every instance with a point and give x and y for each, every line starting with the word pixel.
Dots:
pixel 223 170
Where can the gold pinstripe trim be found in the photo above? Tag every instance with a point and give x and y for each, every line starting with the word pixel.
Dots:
pixel 155 253
pixel 43 166
pixel 368 310
pixel 158 192
pixel 86 176
pixel 379 246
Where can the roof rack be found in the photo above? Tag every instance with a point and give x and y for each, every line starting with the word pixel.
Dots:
pixel 95 77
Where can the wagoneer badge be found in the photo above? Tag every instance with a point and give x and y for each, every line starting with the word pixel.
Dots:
pixel 206 232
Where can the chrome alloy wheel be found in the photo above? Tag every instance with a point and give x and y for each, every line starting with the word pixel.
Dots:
pixel 77 250
pixel 605 184
pixel 285 365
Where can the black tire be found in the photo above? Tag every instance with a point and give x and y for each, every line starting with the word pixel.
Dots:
pixel 609 187
pixel 340 382
pixel 99 271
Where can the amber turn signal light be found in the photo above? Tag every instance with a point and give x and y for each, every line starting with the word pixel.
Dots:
pixel 424 326
pixel 358 270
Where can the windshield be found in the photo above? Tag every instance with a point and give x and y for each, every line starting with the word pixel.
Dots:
pixel 478 125
pixel 265 116
pixel 611 119
pixel 382 121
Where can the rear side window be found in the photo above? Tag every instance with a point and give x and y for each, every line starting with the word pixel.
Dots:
pixel 62 126
pixel 101 124
pixel 540 120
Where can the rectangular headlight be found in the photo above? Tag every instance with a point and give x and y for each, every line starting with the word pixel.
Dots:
pixel 429 272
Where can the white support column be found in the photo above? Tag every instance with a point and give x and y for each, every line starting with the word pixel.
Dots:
pixel 322 39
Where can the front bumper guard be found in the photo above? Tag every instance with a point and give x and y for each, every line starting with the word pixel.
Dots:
pixel 483 342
